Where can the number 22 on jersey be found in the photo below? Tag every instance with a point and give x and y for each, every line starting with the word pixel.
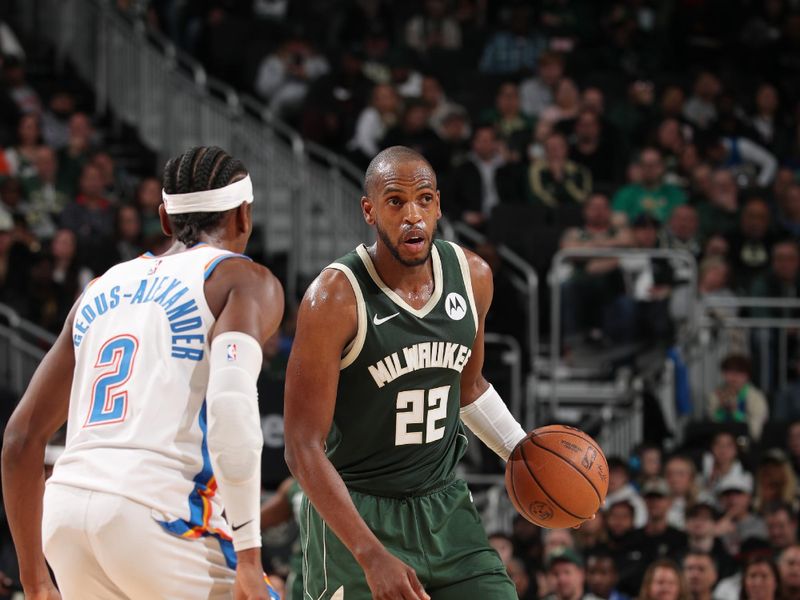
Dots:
pixel 412 406
pixel 109 402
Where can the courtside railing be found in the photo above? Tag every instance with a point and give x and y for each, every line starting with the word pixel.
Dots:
pixel 22 347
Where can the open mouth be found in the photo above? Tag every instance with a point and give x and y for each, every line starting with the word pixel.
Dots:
pixel 414 240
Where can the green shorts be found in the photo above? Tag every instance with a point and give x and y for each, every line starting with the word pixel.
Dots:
pixel 439 534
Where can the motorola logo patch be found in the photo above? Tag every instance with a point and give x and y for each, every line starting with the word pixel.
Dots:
pixel 456 306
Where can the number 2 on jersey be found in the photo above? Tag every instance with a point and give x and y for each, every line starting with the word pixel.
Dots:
pixel 411 408
pixel 109 397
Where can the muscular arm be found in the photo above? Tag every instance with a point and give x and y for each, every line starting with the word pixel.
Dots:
pixel 40 413
pixel 247 299
pixel 482 409
pixel 326 323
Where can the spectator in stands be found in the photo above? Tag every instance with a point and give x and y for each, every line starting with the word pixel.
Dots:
pixel 21 92
pixel 663 581
pixel 682 231
pixel 69 275
pixel 91 217
pixel 502 545
pixel 751 244
pixel 657 539
pixel 652 196
pixel 77 152
pixel 565 567
pixel 737 400
pixel 566 104
pixel 284 76
pixel 556 180
pixel 789 212
pixel 720 215
pixel 432 30
pixel 781 520
pixel 472 188
pixel 760 580
pixel 148 199
pixel 439 105
pixel 537 93
pixel 592 149
pixel 789 569
pixel 648 460
pixel 750 163
pixel 374 121
pixel 680 474
pixel 783 280
pixel 701 575
pixel 556 540
pixel 514 49
pixel 602 577
pixel 700 109
pixel 701 520
pixel 593 297
pixel 765 119
pixel 21 158
pixel 513 127
pixel 738 523
pixel 522 581
pixel 413 131
pixel 620 488
pixel 45 196
pixel 722 460
pixel 55 120
pixel 591 534
pixel 128 238
pixel 775 481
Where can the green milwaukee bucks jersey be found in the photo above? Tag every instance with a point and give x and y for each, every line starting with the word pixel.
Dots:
pixel 396 428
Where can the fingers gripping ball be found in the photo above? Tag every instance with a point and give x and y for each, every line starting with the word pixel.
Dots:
pixel 557 476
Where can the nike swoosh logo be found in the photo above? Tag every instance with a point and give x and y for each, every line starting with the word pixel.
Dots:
pixel 378 321
pixel 238 527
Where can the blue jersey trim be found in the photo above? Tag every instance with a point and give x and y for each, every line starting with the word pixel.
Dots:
pixel 213 264
pixel 197 524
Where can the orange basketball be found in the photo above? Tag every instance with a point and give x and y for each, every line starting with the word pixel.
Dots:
pixel 557 476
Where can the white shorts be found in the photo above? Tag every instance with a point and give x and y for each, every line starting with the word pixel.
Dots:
pixel 104 546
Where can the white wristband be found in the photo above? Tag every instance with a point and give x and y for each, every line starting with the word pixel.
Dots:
pixel 489 419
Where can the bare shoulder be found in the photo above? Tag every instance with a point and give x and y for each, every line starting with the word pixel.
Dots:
pixel 242 277
pixel 330 294
pixel 482 280
pixel 327 320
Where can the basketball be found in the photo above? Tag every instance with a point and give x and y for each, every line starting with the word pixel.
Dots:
pixel 557 476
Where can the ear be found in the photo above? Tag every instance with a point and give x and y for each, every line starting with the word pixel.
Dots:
pixel 368 210
pixel 166 226
pixel 244 218
pixel 438 205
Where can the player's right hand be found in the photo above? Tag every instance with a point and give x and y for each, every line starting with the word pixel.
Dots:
pixel 250 583
pixel 389 578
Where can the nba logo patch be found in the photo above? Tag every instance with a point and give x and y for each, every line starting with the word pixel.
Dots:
pixel 154 268
pixel 231 352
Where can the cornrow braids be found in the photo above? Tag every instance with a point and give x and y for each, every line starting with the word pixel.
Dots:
pixel 199 169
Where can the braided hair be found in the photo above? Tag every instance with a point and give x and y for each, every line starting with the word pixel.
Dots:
pixel 199 169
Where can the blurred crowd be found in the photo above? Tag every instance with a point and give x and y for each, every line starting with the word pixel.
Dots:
pixel 720 523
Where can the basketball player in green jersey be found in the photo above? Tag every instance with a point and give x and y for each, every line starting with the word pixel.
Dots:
pixel 385 366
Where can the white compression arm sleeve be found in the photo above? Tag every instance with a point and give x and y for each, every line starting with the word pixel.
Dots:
pixel 234 432
pixel 489 419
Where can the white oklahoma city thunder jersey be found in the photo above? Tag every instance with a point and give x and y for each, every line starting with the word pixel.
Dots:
pixel 137 415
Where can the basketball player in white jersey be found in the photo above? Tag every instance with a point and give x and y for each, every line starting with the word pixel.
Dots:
pixel 155 373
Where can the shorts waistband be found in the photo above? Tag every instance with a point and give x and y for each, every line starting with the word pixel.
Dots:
pixel 436 487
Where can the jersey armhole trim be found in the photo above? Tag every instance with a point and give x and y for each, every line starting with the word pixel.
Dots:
pixel 353 349
pixel 214 263
pixel 467 277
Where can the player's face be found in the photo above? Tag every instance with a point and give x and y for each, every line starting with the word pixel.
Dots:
pixel 404 206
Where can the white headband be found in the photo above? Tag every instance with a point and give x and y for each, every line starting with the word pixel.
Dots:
pixel 216 200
